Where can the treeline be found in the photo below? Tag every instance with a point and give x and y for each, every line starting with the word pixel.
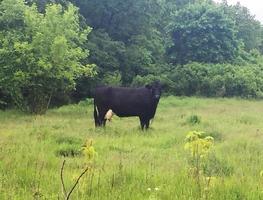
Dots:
pixel 50 56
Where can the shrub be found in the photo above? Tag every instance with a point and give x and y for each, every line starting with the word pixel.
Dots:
pixel 217 167
pixel 68 151
pixel 193 119
pixel 215 134
pixel 42 54
pixel 199 148
pixel 217 80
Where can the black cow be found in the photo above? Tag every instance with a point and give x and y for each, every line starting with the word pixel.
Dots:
pixel 127 102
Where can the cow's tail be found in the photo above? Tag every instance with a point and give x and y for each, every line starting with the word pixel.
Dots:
pixel 96 117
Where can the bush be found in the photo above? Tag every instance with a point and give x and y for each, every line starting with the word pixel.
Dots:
pixel 222 80
pixel 217 167
pixel 193 119
pixel 215 134
pixel 5 100
pixel 68 151
pixel 42 54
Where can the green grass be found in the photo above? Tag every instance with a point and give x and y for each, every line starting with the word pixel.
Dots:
pixel 130 161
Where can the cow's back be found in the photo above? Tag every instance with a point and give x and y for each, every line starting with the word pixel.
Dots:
pixel 124 101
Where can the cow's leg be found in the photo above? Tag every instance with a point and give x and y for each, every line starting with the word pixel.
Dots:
pixel 102 113
pixel 104 122
pixel 147 124
pixel 142 121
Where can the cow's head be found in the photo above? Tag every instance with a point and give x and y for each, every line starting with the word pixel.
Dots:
pixel 156 89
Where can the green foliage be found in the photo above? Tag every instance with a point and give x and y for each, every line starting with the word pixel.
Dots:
pixel 217 167
pixel 5 100
pixel 193 119
pixel 126 38
pixel 203 33
pixel 68 147
pixel 105 52
pixel 89 151
pixel 249 30
pixel 143 80
pixel 121 20
pixel 43 55
pixel 218 136
pixel 132 43
pixel 199 148
pixel 129 160
pixel 68 140
pixel 41 4
pixel 67 151
pixel 218 80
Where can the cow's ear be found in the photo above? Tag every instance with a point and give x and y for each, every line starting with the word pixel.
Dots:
pixel 148 86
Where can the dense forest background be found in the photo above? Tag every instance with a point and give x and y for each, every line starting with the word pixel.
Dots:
pixel 55 52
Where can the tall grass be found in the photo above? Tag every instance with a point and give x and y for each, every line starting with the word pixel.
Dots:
pixel 130 161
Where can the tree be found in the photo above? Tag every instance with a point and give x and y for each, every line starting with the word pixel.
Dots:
pixel 41 54
pixel 108 56
pixel 203 33
pixel 248 28
pixel 41 4
pixel 134 27
pixel 106 53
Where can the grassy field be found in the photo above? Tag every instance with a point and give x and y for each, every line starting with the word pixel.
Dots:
pixel 131 164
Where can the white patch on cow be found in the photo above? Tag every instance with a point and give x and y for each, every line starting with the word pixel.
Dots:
pixel 96 109
pixel 109 115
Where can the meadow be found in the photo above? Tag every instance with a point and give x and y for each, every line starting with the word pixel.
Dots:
pixel 131 164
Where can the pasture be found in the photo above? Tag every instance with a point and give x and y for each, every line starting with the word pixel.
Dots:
pixel 131 164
